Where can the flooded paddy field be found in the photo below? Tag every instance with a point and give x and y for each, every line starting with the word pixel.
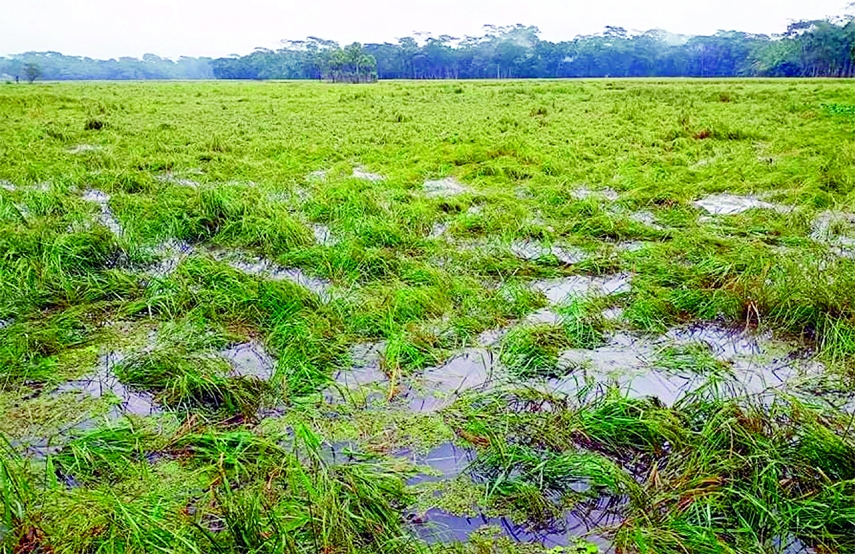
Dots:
pixel 511 317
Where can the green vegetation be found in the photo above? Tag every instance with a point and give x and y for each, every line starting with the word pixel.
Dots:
pixel 292 317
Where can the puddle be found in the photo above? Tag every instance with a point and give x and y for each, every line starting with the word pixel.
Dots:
pixel 584 193
pixel 5 323
pixel 83 149
pixel 491 337
pixel 613 314
pixel 361 173
pixel 837 230
pixel 731 204
pixel 173 179
pixel 323 235
pixel 631 246
pixel 367 366
pixel 753 364
pixel 559 290
pixel 531 250
pixel 171 254
pixel 444 188
pixel 262 267
pixel 439 526
pixel 473 368
pixel 544 316
pixel 104 380
pixel 320 175
pixel 438 230
pixel 447 462
pixel 7 186
pixel 23 210
pixel 250 359
pixel 107 219
pixel 646 218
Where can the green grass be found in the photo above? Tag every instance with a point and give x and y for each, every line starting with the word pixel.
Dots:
pixel 239 464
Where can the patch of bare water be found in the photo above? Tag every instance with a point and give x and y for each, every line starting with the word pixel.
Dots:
pixel 317 176
pixel 84 148
pixel 754 363
pixel 442 188
pixel 367 367
pixel 438 526
pixel 104 381
pixel 631 246
pixel 360 173
pixel 613 314
pixel 473 368
pixel 8 186
pixel 491 337
pixel 23 210
pixel 646 218
pixel 732 204
pixel 837 230
pixel 438 230
pixel 250 359
pixel 584 193
pixel 323 235
pixel 106 218
pixel 170 254
pixel 5 323
pixel 262 267
pixel 559 290
pixel 532 250
pixel 446 461
pixel 174 179
pixel 543 316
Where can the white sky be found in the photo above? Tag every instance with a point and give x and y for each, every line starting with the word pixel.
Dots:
pixel 112 28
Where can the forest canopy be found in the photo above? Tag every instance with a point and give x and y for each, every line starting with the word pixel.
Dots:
pixel 820 48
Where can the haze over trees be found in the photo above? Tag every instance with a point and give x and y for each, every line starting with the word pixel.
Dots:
pixel 55 66
pixel 821 48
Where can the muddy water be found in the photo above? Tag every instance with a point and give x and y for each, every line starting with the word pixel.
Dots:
pixel 438 526
pixel 104 381
pixel 174 179
pixel 446 461
pixel 583 193
pixel 323 235
pixel 732 204
pixel 755 364
pixel 84 148
pixel 250 359
pixel 438 230
pixel 262 267
pixel 107 219
pixel 443 188
pixel 361 173
pixel 837 230
pixel 474 368
pixel 532 251
pixel 367 366
pixel 171 254
pixel 646 218
pixel 559 290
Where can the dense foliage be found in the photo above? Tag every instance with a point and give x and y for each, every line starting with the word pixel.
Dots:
pixel 54 66
pixel 822 48
pixel 806 49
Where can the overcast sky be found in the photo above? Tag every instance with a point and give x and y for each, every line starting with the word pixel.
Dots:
pixel 112 28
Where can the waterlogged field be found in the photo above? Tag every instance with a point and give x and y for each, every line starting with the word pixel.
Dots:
pixel 611 316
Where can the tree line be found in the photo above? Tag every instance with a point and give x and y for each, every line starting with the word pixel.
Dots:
pixel 54 66
pixel 823 48
pixel 819 48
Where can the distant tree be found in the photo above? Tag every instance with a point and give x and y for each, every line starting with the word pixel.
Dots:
pixel 32 71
